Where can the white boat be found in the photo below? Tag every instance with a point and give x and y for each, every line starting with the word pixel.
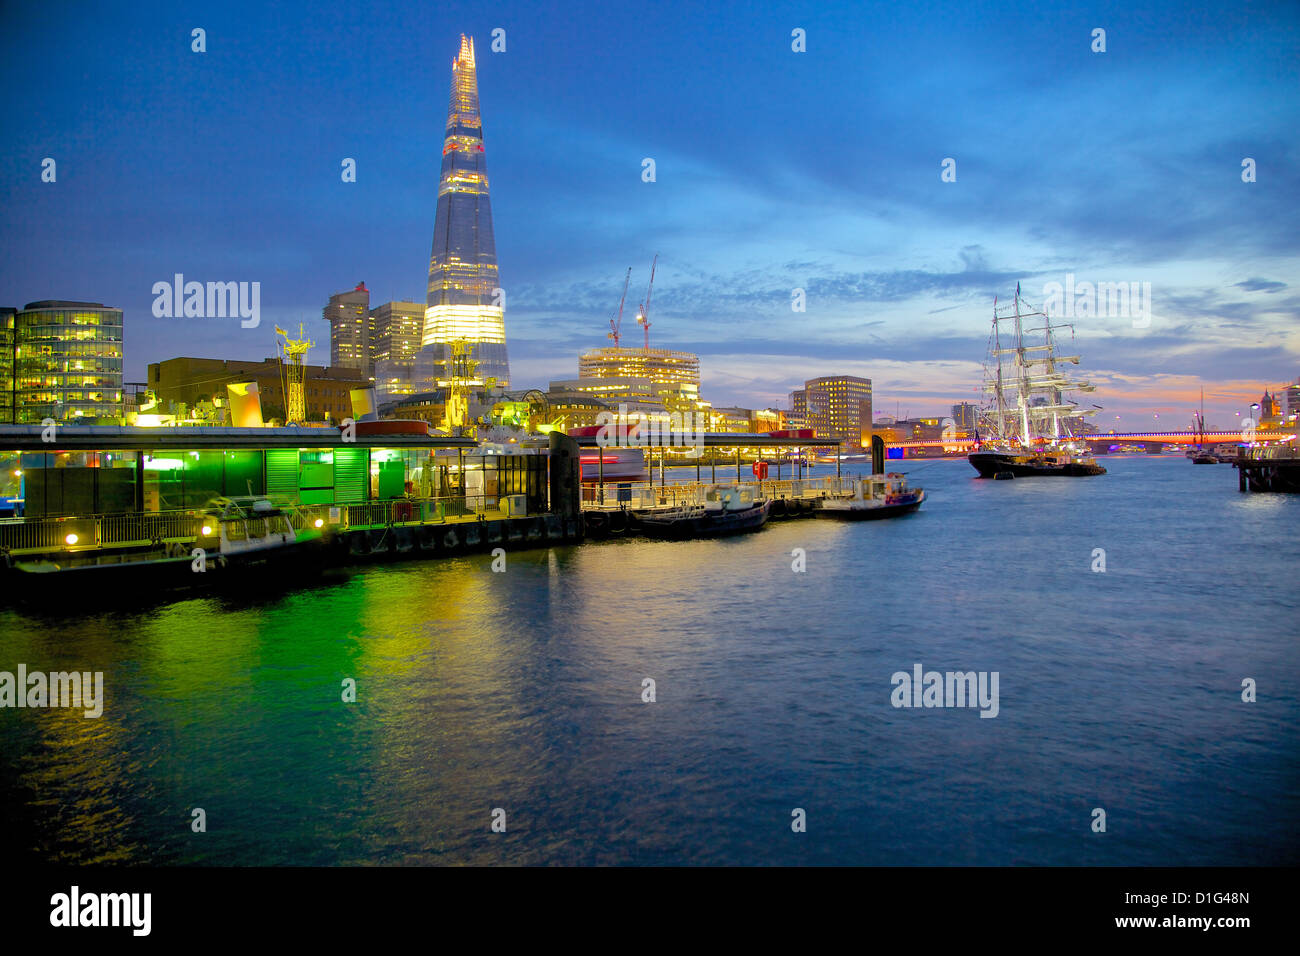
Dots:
pixel 876 496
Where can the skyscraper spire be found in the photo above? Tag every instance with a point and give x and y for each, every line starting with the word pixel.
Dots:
pixel 464 302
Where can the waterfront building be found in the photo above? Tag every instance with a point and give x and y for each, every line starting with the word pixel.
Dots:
pixel 836 406
pixel 67 362
pixel 464 302
pixel 182 384
pixel 351 330
pixel 135 484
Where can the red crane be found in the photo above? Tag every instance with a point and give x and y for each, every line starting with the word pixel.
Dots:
pixel 615 323
pixel 643 317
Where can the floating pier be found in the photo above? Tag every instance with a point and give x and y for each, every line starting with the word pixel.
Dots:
pixel 1270 468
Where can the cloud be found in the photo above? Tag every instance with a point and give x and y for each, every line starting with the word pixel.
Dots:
pixel 1261 285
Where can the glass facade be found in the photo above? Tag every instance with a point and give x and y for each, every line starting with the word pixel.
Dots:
pixel 7 366
pixel 674 377
pixel 839 406
pixel 461 304
pixel 67 362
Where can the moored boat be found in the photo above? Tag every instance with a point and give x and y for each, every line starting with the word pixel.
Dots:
pixel 240 538
pixel 876 496
pixel 1026 426
pixel 725 511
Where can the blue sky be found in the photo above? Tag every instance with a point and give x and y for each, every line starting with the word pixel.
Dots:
pixel 776 170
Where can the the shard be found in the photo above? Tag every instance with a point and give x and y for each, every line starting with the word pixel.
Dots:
pixel 465 303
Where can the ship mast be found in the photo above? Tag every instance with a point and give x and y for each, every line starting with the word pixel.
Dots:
pixel 1044 410
pixel 1022 376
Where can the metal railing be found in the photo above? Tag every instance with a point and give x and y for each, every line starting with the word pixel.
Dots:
pixel 23 534
pixel 1287 452
pixel 644 495
pixel 29 534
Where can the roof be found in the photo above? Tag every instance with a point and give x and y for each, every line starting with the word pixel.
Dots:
pixel 715 440
pixel 127 437
pixel 67 304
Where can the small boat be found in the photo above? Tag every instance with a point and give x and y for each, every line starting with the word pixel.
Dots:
pixel 243 537
pixel 877 496
pixel 725 511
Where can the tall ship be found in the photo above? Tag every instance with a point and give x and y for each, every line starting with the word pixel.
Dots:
pixel 1028 425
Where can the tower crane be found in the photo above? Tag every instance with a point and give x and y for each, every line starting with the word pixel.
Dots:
pixel 615 323
pixel 643 317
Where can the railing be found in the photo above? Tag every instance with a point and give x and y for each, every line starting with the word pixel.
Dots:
pixel 1287 452
pixel 644 495
pixel 26 534
pixel 20 534
pixel 380 514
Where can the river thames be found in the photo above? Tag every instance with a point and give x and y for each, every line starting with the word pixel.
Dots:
pixel 1119 690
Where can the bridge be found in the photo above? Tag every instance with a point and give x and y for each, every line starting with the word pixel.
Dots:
pixel 1102 443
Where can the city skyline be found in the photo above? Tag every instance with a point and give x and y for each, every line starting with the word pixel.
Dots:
pixel 842 199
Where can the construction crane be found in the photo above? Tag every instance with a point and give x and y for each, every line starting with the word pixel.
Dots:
pixel 461 367
pixel 615 323
pixel 643 317
pixel 291 375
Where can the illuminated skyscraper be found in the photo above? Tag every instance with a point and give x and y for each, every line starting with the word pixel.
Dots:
pixel 464 301
pixel 352 341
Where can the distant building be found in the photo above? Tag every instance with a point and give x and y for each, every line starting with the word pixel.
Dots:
pixel 895 431
pixel 609 389
pixel 397 330
pixel 568 408
pixel 398 327
pixel 66 362
pixel 192 381
pixel 430 406
pixel 352 339
pixel 673 377
pixel 1270 413
pixel 965 416
pixel 747 419
pixel 1291 399
pixel 836 406
pixel 463 302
